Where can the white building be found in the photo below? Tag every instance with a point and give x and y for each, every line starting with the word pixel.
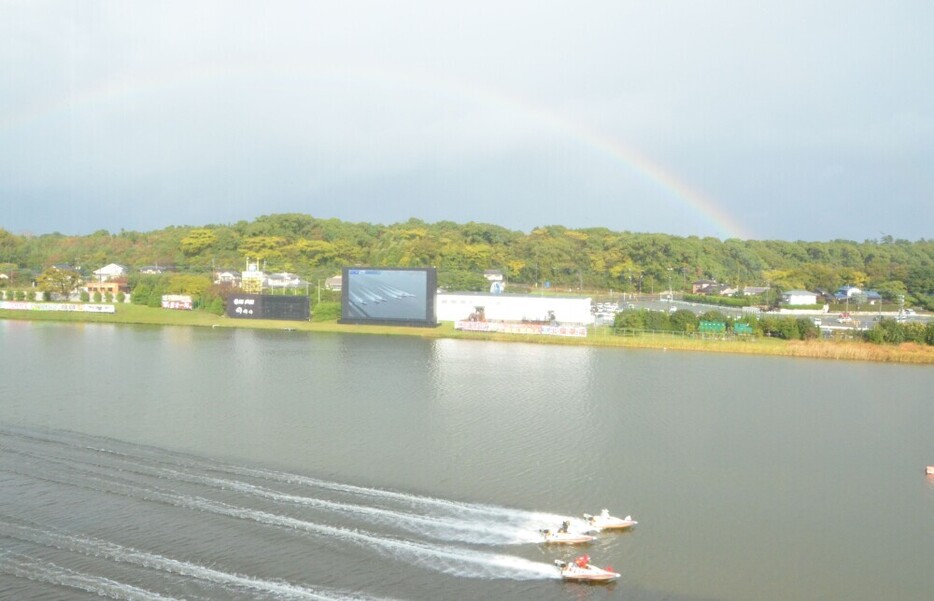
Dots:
pixel 335 283
pixel 227 278
pixel 284 280
pixel 109 272
pixel 514 307
pixel 799 297
pixel 493 275
pixel 153 269
pixel 846 292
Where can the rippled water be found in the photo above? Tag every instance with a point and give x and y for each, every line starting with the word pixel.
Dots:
pixel 147 463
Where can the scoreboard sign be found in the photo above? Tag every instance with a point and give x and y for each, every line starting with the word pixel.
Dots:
pixel 268 306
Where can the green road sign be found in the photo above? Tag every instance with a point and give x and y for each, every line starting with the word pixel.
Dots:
pixel 712 327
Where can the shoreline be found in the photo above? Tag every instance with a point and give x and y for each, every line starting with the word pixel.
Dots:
pixel 907 353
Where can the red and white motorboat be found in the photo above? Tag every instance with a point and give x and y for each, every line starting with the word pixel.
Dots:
pixel 605 521
pixel 581 570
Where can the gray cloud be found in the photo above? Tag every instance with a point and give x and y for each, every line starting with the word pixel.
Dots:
pixel 798 120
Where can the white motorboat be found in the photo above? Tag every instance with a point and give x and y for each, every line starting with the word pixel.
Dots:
pixel 563 535
pixel 605 521
pixel 581 570
pixel 565 538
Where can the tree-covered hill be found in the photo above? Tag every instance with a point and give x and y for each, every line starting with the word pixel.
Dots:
pixel 592 258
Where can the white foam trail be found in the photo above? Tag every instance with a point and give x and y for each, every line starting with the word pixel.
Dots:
pixel 23 566
pixel 502 514
pixel 470 529
pixel 439 527
pixel 518 518
pixel 451 560
pixel 457 507
pixel 99 548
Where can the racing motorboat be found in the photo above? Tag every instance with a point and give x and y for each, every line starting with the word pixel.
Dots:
pixel 581 570
pixel 565 537
pixel 605 521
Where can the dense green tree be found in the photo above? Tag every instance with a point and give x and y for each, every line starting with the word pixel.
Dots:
pixel 657 320
pixel 684 321
pixel 197 241
pixel 263 248
pixel 929 333
pixel 140 294
pixel 181 283
pixel 892 290
pixel 10 248
pixel 216 306
pixel 806 329
pixel 588 259
pixel 715 316
pixel 58 281
pixel 470 281
pixel 631 319
pixel 326 311
pixel 780 327
pixel 887 331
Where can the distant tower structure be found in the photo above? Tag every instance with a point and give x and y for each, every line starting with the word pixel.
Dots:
pixel 251 280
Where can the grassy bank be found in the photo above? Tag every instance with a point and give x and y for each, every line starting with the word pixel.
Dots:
pixel 602 337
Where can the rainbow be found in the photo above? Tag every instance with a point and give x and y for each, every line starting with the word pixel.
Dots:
pixel 602 142
pixel 546 118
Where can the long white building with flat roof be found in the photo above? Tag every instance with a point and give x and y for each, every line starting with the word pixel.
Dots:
pixel 514 307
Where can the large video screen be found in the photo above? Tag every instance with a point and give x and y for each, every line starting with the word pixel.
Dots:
pixel 389 296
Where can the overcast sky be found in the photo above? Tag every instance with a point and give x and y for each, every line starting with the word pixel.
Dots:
pixel 794 120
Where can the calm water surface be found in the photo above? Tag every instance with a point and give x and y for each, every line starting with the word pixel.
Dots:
pixel 153 463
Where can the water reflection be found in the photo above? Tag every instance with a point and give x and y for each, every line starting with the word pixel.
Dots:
pixel 751 477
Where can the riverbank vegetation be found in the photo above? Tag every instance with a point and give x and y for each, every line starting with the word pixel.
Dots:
pixel 548 260
pixel 602 336
pixel 587 260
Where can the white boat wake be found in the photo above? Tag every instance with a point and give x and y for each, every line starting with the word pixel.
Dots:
pixel 452 560
pixel 98 548
pixel 31 568
pixel 440 519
